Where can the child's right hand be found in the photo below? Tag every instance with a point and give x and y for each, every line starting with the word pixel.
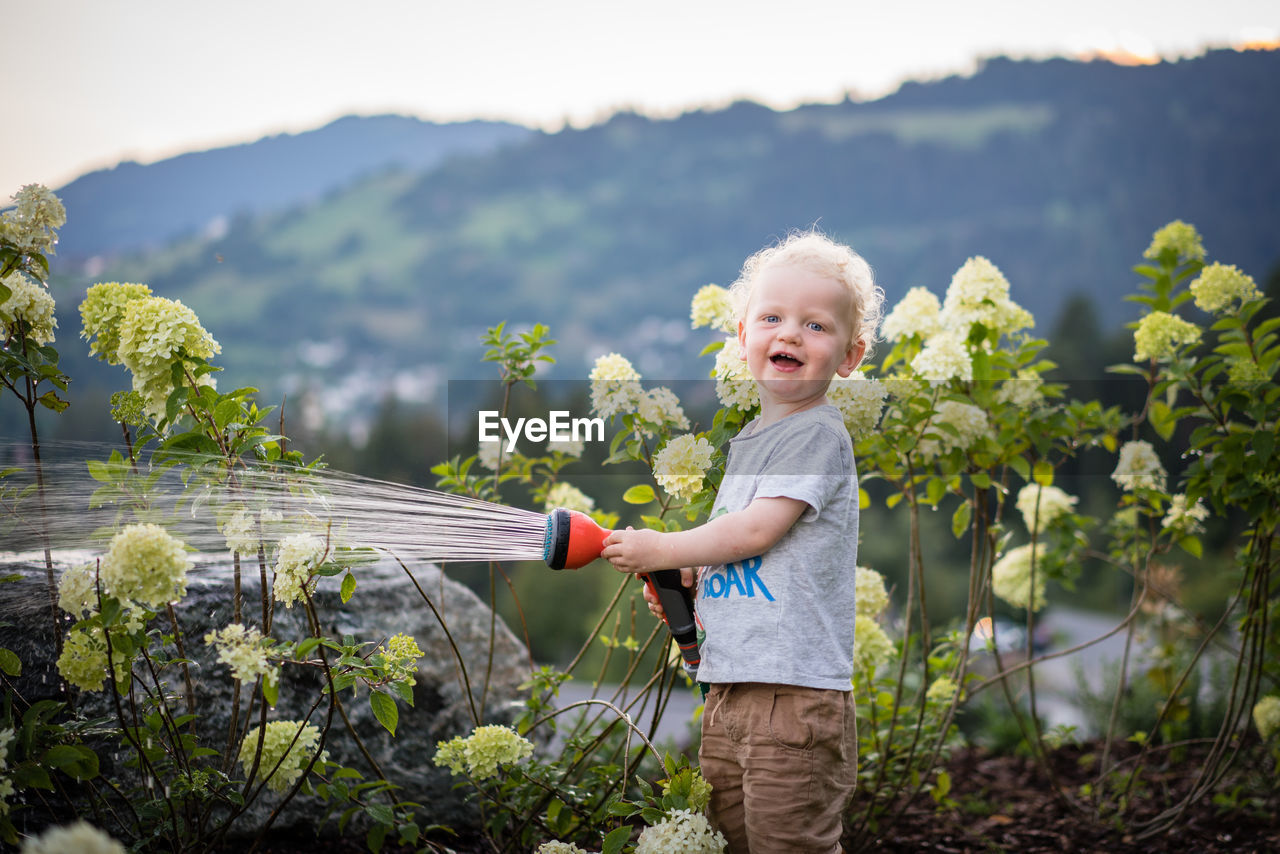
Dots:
pixel 688 577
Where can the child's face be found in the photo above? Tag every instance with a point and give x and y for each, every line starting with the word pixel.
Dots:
pixel 797 334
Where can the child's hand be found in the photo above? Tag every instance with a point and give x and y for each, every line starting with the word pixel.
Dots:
pixel 633 550
pixel 688 576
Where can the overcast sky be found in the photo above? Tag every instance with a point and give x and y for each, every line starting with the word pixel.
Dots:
pixel 100 81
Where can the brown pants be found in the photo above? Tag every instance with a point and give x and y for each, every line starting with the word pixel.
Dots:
pixel 782 762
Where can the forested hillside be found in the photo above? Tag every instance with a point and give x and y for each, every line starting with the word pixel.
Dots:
pixel 1055 170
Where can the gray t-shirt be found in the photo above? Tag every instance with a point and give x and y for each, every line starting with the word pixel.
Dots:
pixel 787 617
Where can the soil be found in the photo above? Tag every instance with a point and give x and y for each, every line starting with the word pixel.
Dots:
pixel 1007 804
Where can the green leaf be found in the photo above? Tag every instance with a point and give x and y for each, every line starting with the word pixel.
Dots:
pixel 641 493
pixel 616 839
pixel 864 499
pixel 1162 419
pixel 1043 473
pixel 73 759
pixel 348 587
pixel 10 663
pixel 960 519
pixel 1191 545
pixel 384 709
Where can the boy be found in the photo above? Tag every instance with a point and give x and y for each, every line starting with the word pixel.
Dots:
pixel 776 588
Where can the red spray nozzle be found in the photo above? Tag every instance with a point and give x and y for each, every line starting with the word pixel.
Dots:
pixel 572 540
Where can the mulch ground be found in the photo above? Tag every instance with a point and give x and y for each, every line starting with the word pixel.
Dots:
pixel 1007 804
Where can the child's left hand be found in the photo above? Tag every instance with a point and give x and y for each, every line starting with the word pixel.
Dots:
pixel 634 550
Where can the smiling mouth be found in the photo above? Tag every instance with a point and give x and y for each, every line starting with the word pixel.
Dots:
pixel 782 360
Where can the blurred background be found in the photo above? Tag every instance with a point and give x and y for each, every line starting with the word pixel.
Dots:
pixel 348 199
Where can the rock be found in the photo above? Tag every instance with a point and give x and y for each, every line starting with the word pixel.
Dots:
pixel 387 601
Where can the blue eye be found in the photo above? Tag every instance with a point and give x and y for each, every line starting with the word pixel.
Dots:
pixel 816 326
pixel 771 318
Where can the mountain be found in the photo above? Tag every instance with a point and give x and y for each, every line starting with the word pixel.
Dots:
pixel 132 207
pixel 1057 171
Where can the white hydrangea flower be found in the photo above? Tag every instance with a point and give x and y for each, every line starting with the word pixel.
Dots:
pixel 871 596
pixel 241 533
pixel 29 302
pixel 289 743
pixel 1139 467
pixel 1024 390
pixel 78 838
pixel 713 307
pixel 871 646
pixel 1185 519
pixel 101 313
pixel 681 465
pixel 557 847
pixel 568 447
pixel 1266 716
pixel 483 752
pixel 979 293
pixel 918 313
pixel 1219 285
pixel 1054 504
pixel 1159 334
pixel 240 648
pixel 942 690
pixel 1178 236
pixel 860 400
pixel 153 332
pixel 297 558
pixel 735 387
pixel 661 406
pixel 32 223
pixel 146 564
pixel 971 424
pixel 569 497
pixel 944 358
pixel 1011 577
pixel 681 832
pixel 615 386
pixel 78 591
pixel 491 452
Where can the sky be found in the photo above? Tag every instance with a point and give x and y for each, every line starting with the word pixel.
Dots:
pixel 91 83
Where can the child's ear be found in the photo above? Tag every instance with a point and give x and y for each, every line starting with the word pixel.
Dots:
pixel 742 341
pixel 852 357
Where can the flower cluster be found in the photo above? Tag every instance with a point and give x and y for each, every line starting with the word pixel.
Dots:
pixel 241 531
pixel 1266 716
pixel 942 690
pixel 1139 467
pixel 101 314
pixel 713 307
pixel 1159 334
pixel 615 386
pixel 917 313
pixel 661 406
pixel 78 591
pixel 490 453
pixel 31 304
pixel 146 564
pixel 871 646
pixel 735 387
pixel 32 224
pixel 78 838
pixel 569 497
pixel 1024 390
pixel 969 424
pixel 860 400
pixel 240 648
pixel 1040 505
pixel 480 753
pixel 568 447
pixel 1184 518
pixel 683 831
pixel 154 334
pixel 400 658
pixel 558 847
pixel 297 558
pixel 1011 577
pixel 83 661
pixel 979 293
pixel 1181 238
pixel 681 465
pixel 6 784
pixel 287 748
pixel 1219 285
pixel 872 598
pixel 944 358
